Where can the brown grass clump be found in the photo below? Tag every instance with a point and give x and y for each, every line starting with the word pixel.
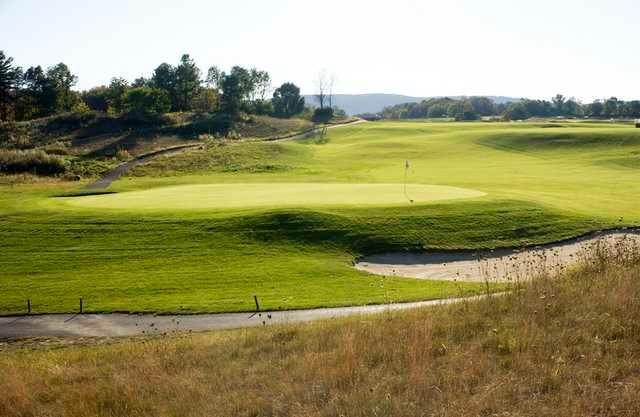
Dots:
pixel 567 346
pixel 36 162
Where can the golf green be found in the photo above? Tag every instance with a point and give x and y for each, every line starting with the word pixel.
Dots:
pixel 233 196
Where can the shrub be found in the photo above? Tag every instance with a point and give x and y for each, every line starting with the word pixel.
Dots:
pixel 122 155
pixel 30 161
pixel 322 115
pixel 69 122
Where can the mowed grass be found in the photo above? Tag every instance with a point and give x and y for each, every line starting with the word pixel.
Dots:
pixel 224 196
pixel 541 184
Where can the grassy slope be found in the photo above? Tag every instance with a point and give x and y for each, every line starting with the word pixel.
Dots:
pixel 531 353
pixel 95 142
pixel 216 260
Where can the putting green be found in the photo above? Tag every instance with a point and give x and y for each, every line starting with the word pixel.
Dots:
pixel 233 196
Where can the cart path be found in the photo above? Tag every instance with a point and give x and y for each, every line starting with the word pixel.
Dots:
pixel 106 180
pixel 311 132
pixel 500 265
pixel 95 325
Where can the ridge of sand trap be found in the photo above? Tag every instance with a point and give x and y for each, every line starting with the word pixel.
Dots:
pixel 250 195
pixel 502 265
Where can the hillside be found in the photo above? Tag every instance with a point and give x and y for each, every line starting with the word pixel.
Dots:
pixel 90 143
pixel 354 104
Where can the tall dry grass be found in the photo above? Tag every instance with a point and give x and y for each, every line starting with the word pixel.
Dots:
pixel 36 162
pixel 559 346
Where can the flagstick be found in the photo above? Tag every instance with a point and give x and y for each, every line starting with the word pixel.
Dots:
pixel 406 169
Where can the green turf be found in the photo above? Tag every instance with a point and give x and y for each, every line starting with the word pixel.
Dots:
pixel 237 196
pixel 541 184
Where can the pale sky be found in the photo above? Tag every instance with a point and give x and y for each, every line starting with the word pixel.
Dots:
pixel 586 49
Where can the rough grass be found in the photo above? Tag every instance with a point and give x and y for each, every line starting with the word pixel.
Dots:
pixel 225 157
pixel 533 352
pixel 35 162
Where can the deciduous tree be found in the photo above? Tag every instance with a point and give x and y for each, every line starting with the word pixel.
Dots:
pixel 287 100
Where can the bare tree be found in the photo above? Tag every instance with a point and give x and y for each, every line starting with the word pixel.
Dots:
pixel 332 83
pixel 322 87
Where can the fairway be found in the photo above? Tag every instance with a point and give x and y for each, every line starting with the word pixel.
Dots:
pixel 206 230
pixel 234 196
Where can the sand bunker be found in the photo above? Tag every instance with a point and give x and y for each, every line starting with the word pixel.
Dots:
pixel 504 265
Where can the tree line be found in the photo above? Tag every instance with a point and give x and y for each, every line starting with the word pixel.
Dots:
pixel 473 108
pixel 37 92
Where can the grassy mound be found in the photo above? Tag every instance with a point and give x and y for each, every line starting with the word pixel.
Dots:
pixel 535 352
pixel 198 261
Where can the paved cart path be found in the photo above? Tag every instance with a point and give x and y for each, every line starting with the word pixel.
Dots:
pixel 106 180
pixel 64 325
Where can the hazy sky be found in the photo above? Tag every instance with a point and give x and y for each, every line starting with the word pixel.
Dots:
pixel 587 49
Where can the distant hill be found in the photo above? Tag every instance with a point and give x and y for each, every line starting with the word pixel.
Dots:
pixel 373 103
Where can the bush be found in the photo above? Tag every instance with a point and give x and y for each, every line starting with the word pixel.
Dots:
pixel 216 124
pixel 30 161
pixel 69 122
pixel 322 115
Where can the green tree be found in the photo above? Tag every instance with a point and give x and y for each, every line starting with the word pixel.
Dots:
pixel 558 104
pixel 141 82
pixel 611 107
pixel 187 83
pixel 62 80
pixel 462 110
pixel 10 78
pixel 206 101
pixel 232 93
pixel 595 109
pixel 96 98
pixel 40 94
pixel 146 100
pixel 516 111
pixel 482 106
pixel 287 100
pixel 437 111
pixel 246 83
pixel 164 78
pixel 115 95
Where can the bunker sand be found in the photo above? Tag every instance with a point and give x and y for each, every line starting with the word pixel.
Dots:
pixel 501 265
